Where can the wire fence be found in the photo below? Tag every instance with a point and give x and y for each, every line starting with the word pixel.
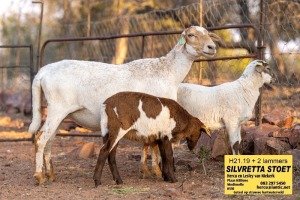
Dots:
pixel 280 23
pixel 13 73
pixel 280 29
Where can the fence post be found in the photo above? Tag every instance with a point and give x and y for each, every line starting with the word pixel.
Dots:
pixel 143 46
pixel 260 55
pixel 31 70
pixel 39 36
pixel 200 66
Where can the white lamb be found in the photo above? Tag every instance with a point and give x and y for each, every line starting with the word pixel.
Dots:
pixel 227 105
pixel 76 89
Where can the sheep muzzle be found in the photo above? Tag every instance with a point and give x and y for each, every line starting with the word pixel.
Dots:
pixel 199 42
pixel 262 66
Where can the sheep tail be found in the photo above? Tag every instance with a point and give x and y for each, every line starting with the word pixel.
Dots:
pixel 36 106
pixel 104 119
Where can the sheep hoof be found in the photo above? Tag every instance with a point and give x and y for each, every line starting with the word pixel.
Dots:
pixel 40 178
pixel 51 177
pixel 174 180
pixel 119 181
pixel 156 171
pixel 97 182
pixel 145 174
pixel 171 180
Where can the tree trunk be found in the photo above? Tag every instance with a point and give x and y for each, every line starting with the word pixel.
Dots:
pixel 88 33
pixel 68 47
pixel 121 44
pixel 246 35
pixel 17 61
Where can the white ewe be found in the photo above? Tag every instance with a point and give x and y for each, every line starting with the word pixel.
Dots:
pixel 76 89
pixel 227 105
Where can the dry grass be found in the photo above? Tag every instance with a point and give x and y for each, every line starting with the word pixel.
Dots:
pixel 14 135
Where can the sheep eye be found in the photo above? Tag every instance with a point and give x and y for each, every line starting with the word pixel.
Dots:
pixel 191 35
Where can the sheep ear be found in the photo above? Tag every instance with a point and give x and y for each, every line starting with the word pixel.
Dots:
pixel 182 40
pixel 259 68
pixel 214 37
pixel 260 65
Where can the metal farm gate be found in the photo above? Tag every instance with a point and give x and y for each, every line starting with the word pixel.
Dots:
pixel 147 36
pixel 15 71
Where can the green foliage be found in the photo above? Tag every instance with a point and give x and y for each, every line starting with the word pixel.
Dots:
pixel 226 35
pixel 110 17
pixel 227 70
pixel 233 68
pixel 203 154
pixel 285 16
pixel 128 190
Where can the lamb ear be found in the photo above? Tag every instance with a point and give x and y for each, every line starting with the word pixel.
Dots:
pixel 259 67
pixel 214 37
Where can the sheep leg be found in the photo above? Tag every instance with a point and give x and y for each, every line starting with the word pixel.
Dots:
pixel 237 146
pixel 145 172
pixel 156 160
pixel 173 147
pixel 103 155
pixel 41 140
pixel 55 116
pixel 166 152
pixel 234 134
pixel 113 165
pixel 48 161
pixel 39 176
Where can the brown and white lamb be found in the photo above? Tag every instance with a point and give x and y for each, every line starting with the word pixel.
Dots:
pixel 146 118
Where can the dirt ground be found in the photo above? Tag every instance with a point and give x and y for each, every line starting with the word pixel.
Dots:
pixel 74 176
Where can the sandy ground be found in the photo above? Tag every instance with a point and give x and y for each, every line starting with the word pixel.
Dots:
pixel 74 176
